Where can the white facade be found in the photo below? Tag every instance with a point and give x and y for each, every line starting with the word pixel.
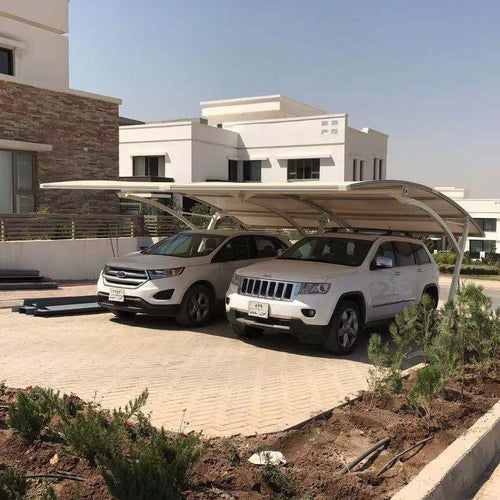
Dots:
pixel 35 31
pixel 268 131
pixel 486 212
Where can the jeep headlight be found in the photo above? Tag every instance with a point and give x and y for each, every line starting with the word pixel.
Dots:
pixel 156 274
pixel 314 288
pixel 236 279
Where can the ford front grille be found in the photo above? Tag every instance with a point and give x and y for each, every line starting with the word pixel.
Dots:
pixel 121 276
pixel 269 289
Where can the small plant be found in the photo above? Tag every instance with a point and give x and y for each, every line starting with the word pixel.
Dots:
pixel 12 484
pixel 278 480
pixel 32 412
pixel 48 493
pixel 155 468
pixel 3 387
pixel 232 453
pixel 99 433
pixel 428 384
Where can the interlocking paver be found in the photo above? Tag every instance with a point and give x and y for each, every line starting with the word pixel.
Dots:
pixel 226 386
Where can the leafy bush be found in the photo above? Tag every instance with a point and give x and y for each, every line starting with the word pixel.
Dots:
pixel 492 259
pixel 32 412
pixel 12 484
pixel 97 433
pixel 467 269
pixel 155 468
pixel 445 258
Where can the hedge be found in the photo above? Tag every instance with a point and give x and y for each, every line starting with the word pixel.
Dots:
pixel 471 269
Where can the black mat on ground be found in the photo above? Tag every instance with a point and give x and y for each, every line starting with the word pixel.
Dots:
pixel 60 306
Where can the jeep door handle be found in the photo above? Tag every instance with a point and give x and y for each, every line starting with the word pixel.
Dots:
pixel 397 273
pixel 420 270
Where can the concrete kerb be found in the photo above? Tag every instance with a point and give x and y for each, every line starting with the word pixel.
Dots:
pixel 458 468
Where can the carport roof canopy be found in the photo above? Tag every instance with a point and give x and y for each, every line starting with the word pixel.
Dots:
pixel 385 205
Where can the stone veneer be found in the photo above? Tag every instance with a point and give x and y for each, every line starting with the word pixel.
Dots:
pixel 83 132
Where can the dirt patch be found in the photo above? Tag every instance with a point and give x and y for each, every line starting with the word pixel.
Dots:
pixel 316 452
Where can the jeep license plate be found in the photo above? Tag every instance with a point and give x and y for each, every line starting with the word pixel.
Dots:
pixel 258 309
pixel 116 295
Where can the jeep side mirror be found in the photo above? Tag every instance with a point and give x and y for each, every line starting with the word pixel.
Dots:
pixel 383 262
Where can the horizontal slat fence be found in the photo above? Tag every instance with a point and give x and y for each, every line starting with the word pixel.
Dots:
pixel 15 227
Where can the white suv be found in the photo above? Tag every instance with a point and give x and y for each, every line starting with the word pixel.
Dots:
pixel 183 276
pixel 326 287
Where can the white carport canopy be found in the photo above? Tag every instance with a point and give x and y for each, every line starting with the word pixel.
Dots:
pixel 386 205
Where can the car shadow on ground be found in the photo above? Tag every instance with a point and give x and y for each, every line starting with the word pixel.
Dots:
pixel 276 341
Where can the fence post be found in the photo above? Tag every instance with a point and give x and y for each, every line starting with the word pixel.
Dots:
pixel 2 229
pixel 73 228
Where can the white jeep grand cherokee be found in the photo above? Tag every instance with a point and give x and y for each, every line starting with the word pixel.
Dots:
pixel 183 276
pixel 326 287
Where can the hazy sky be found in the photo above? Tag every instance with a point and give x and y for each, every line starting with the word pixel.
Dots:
pixel 427 72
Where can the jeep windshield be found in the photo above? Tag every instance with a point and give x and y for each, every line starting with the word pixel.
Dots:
pixel 187 245
pixel 340 251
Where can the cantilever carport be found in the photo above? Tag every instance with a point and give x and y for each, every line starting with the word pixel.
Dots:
pixel 387 205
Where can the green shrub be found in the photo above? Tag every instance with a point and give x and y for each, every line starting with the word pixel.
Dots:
pixel 445 258
pixel 12 484
pixel 155 468
pixel 428 384
pixel 278 480
pixel 31 413
pixel 99 433
pixel 471 269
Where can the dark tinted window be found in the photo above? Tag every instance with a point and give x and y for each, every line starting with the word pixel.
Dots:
pixel 238 248
pixel 487 224
pixel 252 170
pixel 268 247
pixel 303 168
pixel 6 66
pixel 421 256
pixel 386 250
pixel 232 170
pixel 341 251
pixel 404 253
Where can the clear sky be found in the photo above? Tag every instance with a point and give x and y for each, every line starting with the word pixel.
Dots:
pixel 425 72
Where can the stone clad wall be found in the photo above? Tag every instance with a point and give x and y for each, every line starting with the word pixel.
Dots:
pixel 83 132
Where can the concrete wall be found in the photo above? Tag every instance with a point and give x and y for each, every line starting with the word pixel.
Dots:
pixel 64 259
pixel 35 29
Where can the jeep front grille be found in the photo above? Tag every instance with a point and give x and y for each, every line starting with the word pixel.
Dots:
pixel 269 289
pixel 124 277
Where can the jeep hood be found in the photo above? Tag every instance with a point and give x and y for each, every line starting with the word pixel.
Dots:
pixel 294 270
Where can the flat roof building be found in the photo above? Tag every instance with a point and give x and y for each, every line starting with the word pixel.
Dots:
pixel 255 139
pixel 486 212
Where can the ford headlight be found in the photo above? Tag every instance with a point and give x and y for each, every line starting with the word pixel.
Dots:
pixel 313 288
pixel 236 280
pixel 156 274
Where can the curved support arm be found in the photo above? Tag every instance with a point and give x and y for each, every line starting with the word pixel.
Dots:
pixel 159 206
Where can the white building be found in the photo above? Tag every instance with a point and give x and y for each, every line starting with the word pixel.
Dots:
pixel 267 139
pixel 486 212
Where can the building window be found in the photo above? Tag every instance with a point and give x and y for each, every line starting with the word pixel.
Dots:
pixel 489 225
pixel 252 171
pixel 358 170
pixel 303 169
pixel 149 166
pixel 477 246
pixel 16 182
pixel 232 171
pixel 378 169
pixel 6 62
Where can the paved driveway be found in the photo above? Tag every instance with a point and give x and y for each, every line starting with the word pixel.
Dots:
pixel 226 386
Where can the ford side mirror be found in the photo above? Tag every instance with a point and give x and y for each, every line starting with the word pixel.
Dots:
pixel 383 262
